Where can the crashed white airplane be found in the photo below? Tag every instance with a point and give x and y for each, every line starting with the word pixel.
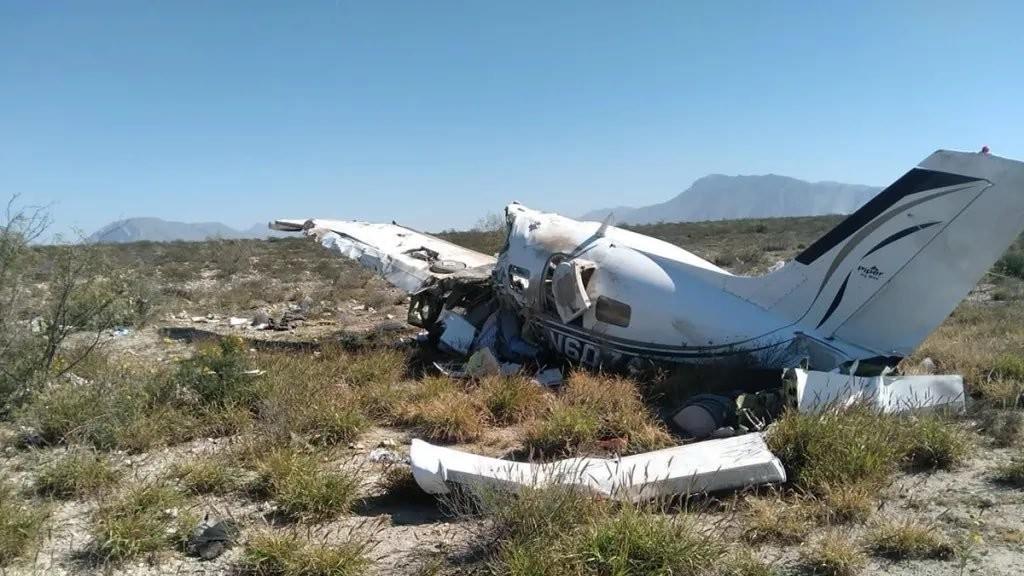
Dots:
pixel 860 298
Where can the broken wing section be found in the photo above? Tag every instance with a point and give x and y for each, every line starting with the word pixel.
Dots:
pixel 404 257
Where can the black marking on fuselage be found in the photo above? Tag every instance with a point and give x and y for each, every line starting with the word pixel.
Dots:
pixel 835 301
pixel 917 180
pixel 901 234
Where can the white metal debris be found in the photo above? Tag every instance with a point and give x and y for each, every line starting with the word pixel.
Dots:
pixel 816 391
pixel 723 464
pixel 458 333
pixel 549 377
pixel 402 256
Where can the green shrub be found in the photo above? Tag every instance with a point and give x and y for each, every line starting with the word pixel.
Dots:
pixel 302 489
pixel 564 429
pixel 209 475
pixel 129 409
pixel 270 554
pixel 592 408
pixel 511 399
pixel 1011 473
pixel 76 474
pixel 907 539
pixel 145 518
pixel 20 525
pixel 638 543
pixel 775 520
pixel 217 372
pixel 932 442
pixel 303 394
pixel 862 446
pixel 834 554
pixel 744 562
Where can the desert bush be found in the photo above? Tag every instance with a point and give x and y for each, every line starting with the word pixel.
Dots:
pixel 20 524
pixel 834 554
pixel 231 257
pixel 217 372
pixel 511 399
pixel 443 411
pixel 447 418
pixel 591 408
pixel 208 475
pixel 303 394
pixel 76 474
pixel 860 446
pixel 772 519
pixel 77 295
pixel 1011 473
pixel 302 488
pixel 744 562
pixel 846 503
pixel 1005 427
pixel 145 518
pixel 270 554
pixel 129 408
pixel 932 442
pixel 635 542
pixel 375 366
pixel 397 482
pixel 907 539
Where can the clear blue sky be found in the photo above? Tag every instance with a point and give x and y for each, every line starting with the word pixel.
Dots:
pixel 435 113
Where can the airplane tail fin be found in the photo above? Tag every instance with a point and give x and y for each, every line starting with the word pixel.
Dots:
pixel 891 272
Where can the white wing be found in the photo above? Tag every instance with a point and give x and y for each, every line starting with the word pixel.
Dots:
pixel 404 257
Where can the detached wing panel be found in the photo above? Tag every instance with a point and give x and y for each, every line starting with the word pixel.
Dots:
pixel 404 257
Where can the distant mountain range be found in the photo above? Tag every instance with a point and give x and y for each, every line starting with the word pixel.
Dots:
pixel 158 230
pixel 719 197
pixel 714 197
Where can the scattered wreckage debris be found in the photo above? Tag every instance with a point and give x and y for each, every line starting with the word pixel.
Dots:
pixel 714 465
pixel 836 320
pixel 209 541
pixel 815 391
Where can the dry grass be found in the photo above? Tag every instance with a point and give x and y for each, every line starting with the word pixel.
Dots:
pixel 76 474
pixel 907 539
pixel 512 399
pixel 744 562
pixel 860 446
pixel 1005 427
pixel 562 530
pixel 21 524
pixel 303 488
pixel 591 408
pixel 1011 473
pixel 309 396
pixel 772 519
pixel 442 411
pixel 834 554
pixel 207 475
pixel 144 518
pixel 983 343
pixel 277 554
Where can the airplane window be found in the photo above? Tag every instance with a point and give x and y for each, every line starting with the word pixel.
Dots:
pixel 612 311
